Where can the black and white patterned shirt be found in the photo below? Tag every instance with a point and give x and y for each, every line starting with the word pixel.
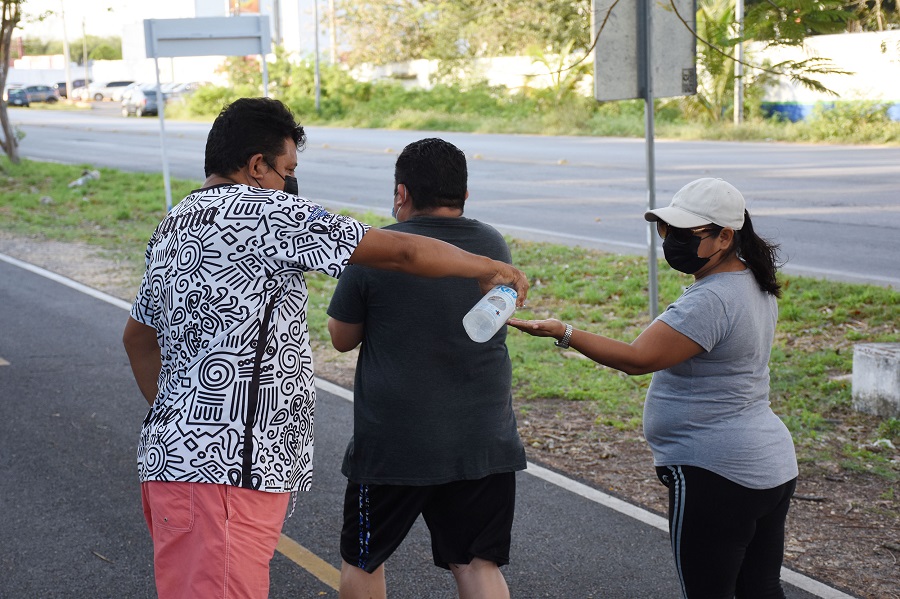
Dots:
pixel 224 290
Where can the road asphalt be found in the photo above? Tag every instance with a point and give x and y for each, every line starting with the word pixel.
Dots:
pixel 72 523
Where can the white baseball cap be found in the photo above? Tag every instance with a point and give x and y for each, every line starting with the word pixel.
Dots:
pixel 702 202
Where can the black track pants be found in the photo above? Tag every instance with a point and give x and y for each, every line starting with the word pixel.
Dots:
pixel 728 540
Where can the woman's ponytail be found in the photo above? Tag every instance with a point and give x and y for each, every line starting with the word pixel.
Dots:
pixel 760 256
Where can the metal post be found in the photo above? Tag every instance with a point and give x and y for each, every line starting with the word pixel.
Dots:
pixel 647 72
pixel 161 107
pixel 276 21
pixel 318 80
pixel 84 57
pixel 332 46
pixel 739 63
pixel 263 52
pixel 66 57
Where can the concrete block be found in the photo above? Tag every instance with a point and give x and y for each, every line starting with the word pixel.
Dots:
pixel 876 379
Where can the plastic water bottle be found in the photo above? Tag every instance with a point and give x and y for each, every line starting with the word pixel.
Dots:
pixel 490 313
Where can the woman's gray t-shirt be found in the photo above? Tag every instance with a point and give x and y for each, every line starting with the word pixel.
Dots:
pixel 712 411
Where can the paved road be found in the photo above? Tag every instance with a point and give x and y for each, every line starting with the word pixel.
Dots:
pixel 72 525
pixel 834 209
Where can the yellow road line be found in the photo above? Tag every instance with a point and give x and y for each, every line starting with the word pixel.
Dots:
pixel 3 362
pixel 309 561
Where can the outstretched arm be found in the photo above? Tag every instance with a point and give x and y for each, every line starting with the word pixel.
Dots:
pixel 657 348
pixel 144 354
pixel 427 257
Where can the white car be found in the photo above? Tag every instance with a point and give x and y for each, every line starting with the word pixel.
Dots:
pixel 79 94
pixel 104 90
pixel 117 93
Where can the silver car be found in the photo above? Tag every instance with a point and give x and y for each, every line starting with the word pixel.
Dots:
pixel 42 93
pixel 140 100
pixel 104 91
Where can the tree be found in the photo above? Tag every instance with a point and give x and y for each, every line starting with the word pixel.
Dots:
pixel 98 48
pixel 104 52
pixel 769 23
pixel 35 46
pixel 874 15
pixel 459 30
pixel 12 14
pixel 397 30
pixel 789 22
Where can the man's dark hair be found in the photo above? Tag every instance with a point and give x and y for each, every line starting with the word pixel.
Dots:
pixel 434 172
pixel 246 127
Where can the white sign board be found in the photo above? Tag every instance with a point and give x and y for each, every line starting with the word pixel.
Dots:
pixel 208 36
pixel 619 53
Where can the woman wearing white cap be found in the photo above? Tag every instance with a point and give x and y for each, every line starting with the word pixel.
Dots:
pixel 727 459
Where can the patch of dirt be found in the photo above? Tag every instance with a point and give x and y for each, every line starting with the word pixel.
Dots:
pixel 843 527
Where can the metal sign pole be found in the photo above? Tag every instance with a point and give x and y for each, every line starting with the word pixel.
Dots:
pixel 645 27
pixel 169 38
pixel 739 63
pixel 66 53
pixel 161 107
pixel 263 52
pixel 318 79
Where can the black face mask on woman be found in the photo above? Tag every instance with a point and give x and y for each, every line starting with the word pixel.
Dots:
pixel 682 255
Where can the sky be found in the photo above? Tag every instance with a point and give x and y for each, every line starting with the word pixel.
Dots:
pixel 101 17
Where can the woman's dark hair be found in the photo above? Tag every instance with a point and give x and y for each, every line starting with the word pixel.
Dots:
pixel 760 256
pixel 434 171
pixel 246 127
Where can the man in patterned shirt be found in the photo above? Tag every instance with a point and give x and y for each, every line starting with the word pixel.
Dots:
pixel 219 346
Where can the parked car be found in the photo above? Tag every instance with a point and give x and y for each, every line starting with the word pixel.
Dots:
pixel 16 96
pixel 140 100
pixel 42 93
pixel 104 90
pixel 180 91
pixel 76 83
pixel 81 94
pixel 116 93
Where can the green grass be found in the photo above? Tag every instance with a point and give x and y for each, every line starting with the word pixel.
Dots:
pixel 118 211
pixel 820 321
pixel 485 109
pixel 468 105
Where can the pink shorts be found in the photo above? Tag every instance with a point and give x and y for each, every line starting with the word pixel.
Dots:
pixel 212 541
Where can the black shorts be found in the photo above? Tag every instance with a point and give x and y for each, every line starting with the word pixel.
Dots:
pixel 467 519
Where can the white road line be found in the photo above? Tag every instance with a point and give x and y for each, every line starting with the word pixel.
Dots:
pixel 794 578
pixel 627 247
pixel 67 282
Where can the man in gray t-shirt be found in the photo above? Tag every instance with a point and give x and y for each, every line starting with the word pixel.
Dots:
pixel 434 428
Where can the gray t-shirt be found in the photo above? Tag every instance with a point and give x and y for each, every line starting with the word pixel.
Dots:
pixel 431 406
pixel 712 411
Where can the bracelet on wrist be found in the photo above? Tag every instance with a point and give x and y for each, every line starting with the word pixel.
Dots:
pixel 564 342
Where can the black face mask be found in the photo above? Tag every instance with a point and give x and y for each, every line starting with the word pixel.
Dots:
pixel 682 256
pixel 290 183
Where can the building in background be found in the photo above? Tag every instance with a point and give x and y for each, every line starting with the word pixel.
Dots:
pixel 292 25
pixel 872 58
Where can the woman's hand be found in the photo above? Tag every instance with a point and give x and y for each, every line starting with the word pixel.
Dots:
pixel 539 328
